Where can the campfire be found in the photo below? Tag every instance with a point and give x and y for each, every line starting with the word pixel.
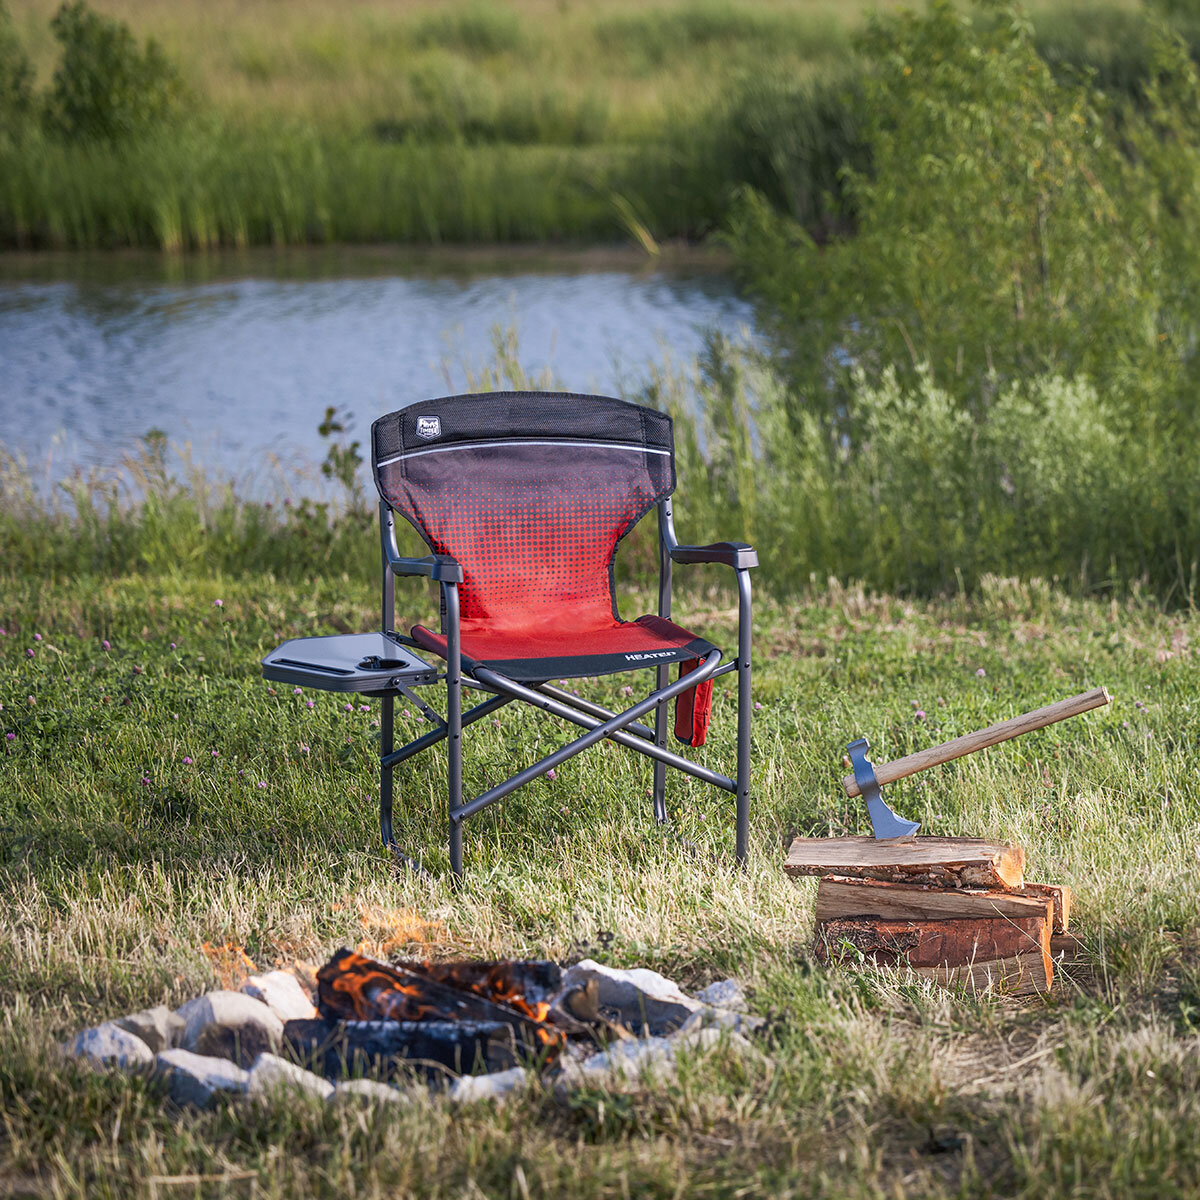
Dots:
pixel 362 1028
pixel 467 1017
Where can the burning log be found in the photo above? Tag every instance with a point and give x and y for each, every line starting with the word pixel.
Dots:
pixel 343 1049
pixel 354 989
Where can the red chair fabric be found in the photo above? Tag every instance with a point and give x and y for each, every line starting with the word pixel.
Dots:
pixel 532 493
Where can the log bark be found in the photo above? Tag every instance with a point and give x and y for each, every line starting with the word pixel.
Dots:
pixel 1021 975
pixel 945 943
pixel 938 861
pixel 840 896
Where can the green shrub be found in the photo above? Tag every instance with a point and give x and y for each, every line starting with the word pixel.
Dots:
pixel 16 74
pixel 107 87
pixel 478 29
pixel 1009 227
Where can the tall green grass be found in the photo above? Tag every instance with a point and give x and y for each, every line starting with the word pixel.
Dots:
pixel 486 123
pixel 1048 482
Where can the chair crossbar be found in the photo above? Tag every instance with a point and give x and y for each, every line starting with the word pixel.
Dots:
pixel 599 730
pixel 590 707
pixel 439 734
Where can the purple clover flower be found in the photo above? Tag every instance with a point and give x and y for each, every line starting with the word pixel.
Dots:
pixel 106 644
pixel 10 737
pixel 37 637
pixel 187 762
pixel 218 603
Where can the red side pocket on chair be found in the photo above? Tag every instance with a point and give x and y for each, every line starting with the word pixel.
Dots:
pixel 693 708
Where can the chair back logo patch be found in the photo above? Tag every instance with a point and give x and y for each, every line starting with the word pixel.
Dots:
pixel 429 427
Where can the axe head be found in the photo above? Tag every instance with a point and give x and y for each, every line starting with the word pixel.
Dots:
pixel 884 822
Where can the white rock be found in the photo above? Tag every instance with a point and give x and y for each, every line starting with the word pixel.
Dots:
pixel 271 1074
pixel 109 1045
pixel 725 993
pixel 488 1087
pixel 721 1018
pixel 369 1090
pixel 158 1027
pixel 281 992
pixel 197 1078
pixel 641 996
pixel 705 1039
pixel 230 1025
pixel 623 1062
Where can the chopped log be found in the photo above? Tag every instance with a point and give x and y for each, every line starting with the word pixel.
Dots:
pixel 1061 895
pixel 1068 952
pixel 845 896
pixel 1021 975
pixel 948 943
pixel 940 861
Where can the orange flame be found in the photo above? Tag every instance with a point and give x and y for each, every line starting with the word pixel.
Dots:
pixel 230 963
pixel 389 930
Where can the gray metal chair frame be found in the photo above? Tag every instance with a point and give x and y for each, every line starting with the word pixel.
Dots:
pixel 624 728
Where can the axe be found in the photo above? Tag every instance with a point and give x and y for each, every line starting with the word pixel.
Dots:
pixel 868 780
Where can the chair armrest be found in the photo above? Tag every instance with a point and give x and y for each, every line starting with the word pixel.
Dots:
pixel 739 555
pixel 433 566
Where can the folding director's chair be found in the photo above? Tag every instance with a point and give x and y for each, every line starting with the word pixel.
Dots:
pixel 523 498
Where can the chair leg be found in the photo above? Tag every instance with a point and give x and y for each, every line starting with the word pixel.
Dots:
pixel 745 706
pixel 454 727
pixel 386 733
pixel 660 739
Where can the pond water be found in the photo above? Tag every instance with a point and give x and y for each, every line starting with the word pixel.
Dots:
pixel 239 355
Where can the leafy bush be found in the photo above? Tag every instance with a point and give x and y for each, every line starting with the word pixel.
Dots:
pixel 16 73
pixel 106 87
pixel 475 29
pixel 1013 225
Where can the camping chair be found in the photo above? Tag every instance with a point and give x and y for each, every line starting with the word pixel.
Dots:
pixel 523 498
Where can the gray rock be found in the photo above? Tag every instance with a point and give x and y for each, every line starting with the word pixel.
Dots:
pixel 725 993
pixel 623 1062
pixel 370 1091
pixel 489 1087
pixel 198 1079
pixel 641 997
pixel 701 1040
pixel 109 1045
pixel 158 1027
pixel 722 1018
pixel 281 992
pixel 272 1074
pixel 230 1025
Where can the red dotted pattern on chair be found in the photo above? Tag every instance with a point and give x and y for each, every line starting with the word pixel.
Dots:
pixel 534 527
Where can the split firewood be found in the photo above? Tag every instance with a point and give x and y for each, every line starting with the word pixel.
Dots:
pixel 840 896
pixel 1067 950
pixel 1021 975
pixel 939 861
pixel 946 943
pixel 1060 894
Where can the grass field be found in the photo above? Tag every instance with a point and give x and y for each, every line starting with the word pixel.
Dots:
pixel 119 860
pixel 481 122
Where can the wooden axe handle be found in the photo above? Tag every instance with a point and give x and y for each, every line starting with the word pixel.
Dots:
pixel 910 764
